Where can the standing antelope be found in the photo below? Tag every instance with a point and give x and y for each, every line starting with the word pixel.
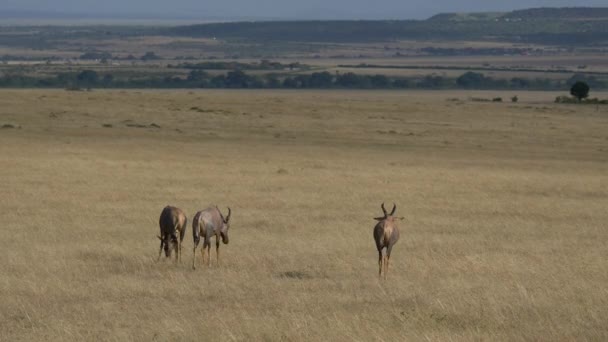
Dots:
pixel 386 234
pixel 207 223
pixel 172 221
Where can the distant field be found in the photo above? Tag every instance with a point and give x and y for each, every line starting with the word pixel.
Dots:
pixel 445 72
pixel 53 56
pixel 541 62
pixel 503 239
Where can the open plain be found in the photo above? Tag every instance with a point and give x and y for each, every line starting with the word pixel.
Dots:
pixel 504 236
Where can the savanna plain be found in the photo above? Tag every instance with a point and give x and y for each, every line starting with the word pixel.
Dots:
pixel 504 236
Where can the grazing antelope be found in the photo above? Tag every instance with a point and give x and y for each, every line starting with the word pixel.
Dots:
pixel 207 223
pixel 386 234
pixel 172 221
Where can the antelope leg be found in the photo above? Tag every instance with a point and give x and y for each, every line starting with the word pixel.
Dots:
pixel 194 258
pixel 179 246
pixel 217 249
pixel 380 263
pixel 386 270
pixel 160 251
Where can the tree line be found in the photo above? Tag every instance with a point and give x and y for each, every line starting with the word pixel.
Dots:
pixel 317 80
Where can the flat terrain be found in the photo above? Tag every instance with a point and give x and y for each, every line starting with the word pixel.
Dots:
pixel 504 236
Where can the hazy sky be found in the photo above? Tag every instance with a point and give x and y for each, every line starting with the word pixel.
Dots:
pixel 287 9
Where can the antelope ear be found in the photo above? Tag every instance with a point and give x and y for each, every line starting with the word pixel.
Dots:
pixel 158 236
pixel 400 218
pixel 379 218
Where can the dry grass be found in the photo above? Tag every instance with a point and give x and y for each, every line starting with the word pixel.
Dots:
pixel 504 236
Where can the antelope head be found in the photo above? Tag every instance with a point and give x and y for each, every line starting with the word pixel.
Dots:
pixel 388 216
pixel 169 243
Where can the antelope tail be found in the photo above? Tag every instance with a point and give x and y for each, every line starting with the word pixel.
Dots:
pixel 183 232
pixel 195 230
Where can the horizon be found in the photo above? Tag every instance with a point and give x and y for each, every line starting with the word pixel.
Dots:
pixel 27 10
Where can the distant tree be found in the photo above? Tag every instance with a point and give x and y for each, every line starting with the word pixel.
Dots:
pixel 471 80
pixel 321 79
pixel 580 90
pixel 218 81
pixel 591 81
pixel 254 81
pixel 402 83
pixel 237 79
pixel 519 83
pixel 302 81
pixel 431 81
pixel 289 82
pixel 107 79
pixel 96 55
pixel 348 80
pixel 87 77
pixel 197 75
pixel 514 98
pixel 380 81
pixel 149 56
pixel 64 78
pixel 273 82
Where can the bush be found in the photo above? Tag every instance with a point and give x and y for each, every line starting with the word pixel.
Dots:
pixel 514 99
pixel 73 88
pixel 569 99
pixel 478 99
pixel 565 99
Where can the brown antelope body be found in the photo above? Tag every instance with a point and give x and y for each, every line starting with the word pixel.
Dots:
pixel 172 223
pixel 208 223
pixel 386 235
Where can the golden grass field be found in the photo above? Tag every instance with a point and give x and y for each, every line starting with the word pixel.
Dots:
pixel 504 236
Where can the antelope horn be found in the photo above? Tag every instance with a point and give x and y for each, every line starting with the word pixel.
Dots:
pixel 219 211
pixel 229 213
pixel 394 208
pixel 384 210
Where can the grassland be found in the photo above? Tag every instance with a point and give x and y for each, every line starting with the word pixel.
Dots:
pixel 53 56
pixel 504 236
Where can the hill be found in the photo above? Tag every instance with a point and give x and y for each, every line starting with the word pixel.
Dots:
pixel 543 25
pixel 565 13
pixel 466 16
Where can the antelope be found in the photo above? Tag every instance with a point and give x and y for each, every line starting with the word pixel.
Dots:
pixel 386 234
pixel 207 223
pixel 172 221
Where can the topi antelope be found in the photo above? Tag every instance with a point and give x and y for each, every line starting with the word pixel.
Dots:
pixel 207 223
pixel 386 234
pixel 172 221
